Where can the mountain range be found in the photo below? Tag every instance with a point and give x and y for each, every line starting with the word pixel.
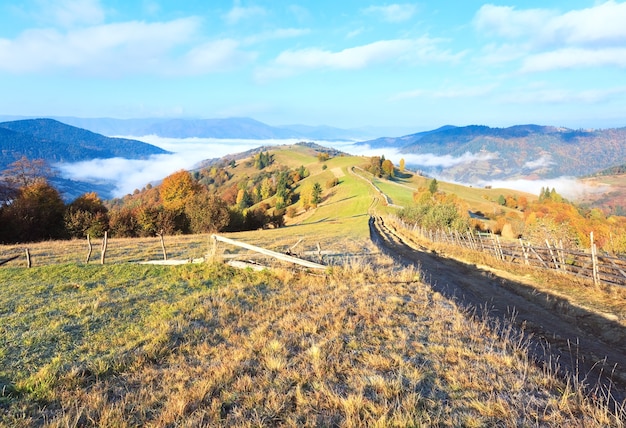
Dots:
pixel 235 128
pixel 479 153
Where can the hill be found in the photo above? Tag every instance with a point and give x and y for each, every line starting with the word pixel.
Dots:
pixel 476 154
pixel 56 142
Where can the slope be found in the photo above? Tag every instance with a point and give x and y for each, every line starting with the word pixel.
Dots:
pixel 56 142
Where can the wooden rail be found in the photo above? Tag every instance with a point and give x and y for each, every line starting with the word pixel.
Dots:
pixel 274 254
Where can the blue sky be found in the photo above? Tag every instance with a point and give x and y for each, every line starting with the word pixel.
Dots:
pixel 341 63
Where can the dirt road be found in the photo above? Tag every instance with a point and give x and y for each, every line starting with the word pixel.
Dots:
pixel 552 333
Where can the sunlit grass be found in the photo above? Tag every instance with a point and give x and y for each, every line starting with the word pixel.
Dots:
pixel 127 345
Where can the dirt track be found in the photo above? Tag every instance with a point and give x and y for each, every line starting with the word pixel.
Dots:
pixel 551 332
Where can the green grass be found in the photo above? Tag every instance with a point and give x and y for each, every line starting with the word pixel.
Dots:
pixel 89 317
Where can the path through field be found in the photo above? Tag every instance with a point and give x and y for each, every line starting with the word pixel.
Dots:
pixel 553 333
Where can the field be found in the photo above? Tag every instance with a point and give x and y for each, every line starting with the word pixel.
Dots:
pixel 364 343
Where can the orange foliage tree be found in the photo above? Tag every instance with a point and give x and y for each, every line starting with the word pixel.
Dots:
pixel 177 189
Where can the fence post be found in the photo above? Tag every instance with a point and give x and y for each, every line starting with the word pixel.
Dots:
pixel 103 251
pixel 594 260
pixel 524 252
pixel 28 262
pixel 160 235
pixel 90 249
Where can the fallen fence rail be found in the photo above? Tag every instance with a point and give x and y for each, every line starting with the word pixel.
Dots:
pixel 264 251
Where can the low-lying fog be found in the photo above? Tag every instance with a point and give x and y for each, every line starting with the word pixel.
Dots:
pixel 128 174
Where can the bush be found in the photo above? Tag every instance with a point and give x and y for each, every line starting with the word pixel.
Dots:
pixel 332 183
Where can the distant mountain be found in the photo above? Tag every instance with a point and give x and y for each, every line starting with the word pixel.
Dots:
pixel 57 142
pixel 402 141
pixel 475 154
pixel 239 128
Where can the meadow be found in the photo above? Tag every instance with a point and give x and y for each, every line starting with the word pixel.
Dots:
pixel 205 345
pixel 364 343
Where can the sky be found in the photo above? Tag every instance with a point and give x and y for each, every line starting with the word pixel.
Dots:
pixel 342 63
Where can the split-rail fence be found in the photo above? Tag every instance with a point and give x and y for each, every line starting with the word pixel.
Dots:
pixel 591 264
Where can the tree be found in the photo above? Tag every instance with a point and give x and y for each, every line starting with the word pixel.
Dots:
pixel 86 215
pixel 263 159
pixel 24 172
pixel 402 165
pixel 36 214
pixel 176 189
pixel 316 194
pixel 433 187
pixel 387 168
pixel 244 200
pixel 123 223
pixel 207 213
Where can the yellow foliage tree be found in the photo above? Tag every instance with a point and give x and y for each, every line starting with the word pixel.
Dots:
pixel 177 189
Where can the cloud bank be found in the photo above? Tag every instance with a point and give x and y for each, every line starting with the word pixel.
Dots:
pixel 131 174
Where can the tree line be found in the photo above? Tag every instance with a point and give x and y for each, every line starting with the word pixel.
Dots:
pixel 204 201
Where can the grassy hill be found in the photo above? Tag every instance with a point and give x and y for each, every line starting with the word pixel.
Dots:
pixel 365 343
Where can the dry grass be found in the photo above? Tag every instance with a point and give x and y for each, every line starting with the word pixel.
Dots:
pixel 364 345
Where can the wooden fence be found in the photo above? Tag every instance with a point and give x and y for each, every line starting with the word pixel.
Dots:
pixel 592 264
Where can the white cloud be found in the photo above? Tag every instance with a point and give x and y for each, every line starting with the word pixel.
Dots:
pixel 569 187
pixel 542 162
pixel 574 58
pixel 506 21
pixel 590 37
pixel 429 160
pixel 393 12
pixel 420 50
pixel 127 45
pixel 448 93
pixel 219 55
pixel 68 13
pixel 120 49
pixel 239 13
pixel 550 95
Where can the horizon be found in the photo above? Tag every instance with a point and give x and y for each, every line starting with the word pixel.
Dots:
pixel 349 65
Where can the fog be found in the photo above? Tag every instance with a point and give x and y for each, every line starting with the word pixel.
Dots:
pixel 130 174
pixel 427 160
pixel 569 187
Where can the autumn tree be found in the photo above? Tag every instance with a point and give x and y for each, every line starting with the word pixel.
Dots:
pixel 24 172
pixel 123 223
pixel 402 165
pixel 86 215
pixel 176 189
pixel 207 213
pixel 35 214
pixel 387 168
